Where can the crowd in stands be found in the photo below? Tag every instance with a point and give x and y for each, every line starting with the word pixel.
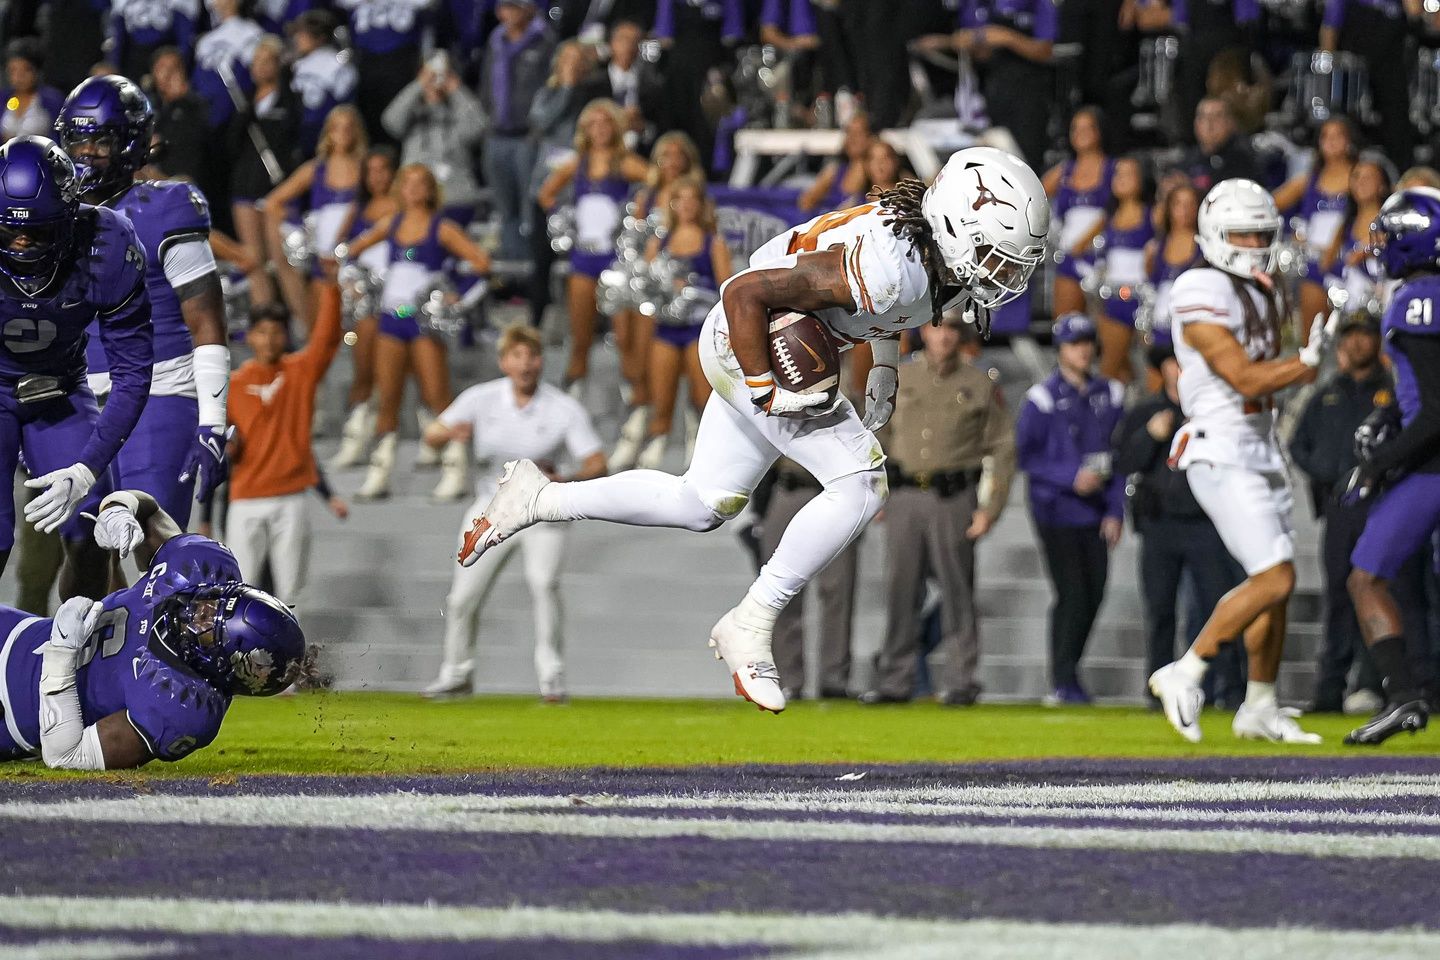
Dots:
pixel 440 142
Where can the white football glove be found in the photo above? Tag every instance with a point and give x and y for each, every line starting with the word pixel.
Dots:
pixel 1322 335
pixel 117 529
pixel 74 622
pixel 64 489
pixel 776 401
pixel 880 387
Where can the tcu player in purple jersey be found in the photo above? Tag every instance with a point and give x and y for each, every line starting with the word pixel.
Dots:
pixel 1402 457
pixel 63 266
pixel 105 126
pixel 148 672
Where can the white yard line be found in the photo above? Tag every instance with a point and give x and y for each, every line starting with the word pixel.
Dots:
pixel 836 936
pixel 465 814
pixel 49 949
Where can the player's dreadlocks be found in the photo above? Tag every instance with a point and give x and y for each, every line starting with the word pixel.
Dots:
pixel 903 203
pixel 1262 330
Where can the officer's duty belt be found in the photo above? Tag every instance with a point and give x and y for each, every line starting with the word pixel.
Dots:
pixel 944 483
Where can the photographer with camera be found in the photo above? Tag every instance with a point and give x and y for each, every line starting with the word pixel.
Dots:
pixel 438 122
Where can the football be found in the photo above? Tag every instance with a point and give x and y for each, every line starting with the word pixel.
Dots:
pixel 803 355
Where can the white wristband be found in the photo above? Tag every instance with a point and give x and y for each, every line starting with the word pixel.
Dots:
pixel 212 383
pixel 121 498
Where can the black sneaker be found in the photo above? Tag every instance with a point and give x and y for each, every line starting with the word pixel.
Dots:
pixel 1413 715
pixel 873 697
pixel 963 697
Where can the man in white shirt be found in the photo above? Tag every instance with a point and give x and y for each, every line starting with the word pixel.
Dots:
pixel 515 416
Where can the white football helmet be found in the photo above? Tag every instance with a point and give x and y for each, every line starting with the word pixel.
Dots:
pixel 1239 206
pixel 990 217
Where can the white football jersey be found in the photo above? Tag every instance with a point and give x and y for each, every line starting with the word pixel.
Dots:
pixel 887 281
pixel 1223 427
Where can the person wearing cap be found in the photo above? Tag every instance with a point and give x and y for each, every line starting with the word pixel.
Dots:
pixel 949 417
pixel 1077 498
pixel 1323 447
pixel 1177 539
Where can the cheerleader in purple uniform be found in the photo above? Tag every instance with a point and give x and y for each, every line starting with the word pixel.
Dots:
pixel 329 184
pixel 604 173
pixel 1126 230
pixel 1319 198
pixel 1173 251
pixel 421 242
pixel 1079 190
pixel 374 203
pixel 691 238
pixel 1348 262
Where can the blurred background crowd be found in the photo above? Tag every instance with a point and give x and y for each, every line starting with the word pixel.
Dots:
pixel 583 175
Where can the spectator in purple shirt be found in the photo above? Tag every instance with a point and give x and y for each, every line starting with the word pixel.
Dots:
pixel 139 28
pixel 1077 500
pixel 516 67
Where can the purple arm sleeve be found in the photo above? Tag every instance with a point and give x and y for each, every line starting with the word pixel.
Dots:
pixel 665 20
pixel 1334 14
pixel 1047 21
pixel 1180 13
pixel 128 339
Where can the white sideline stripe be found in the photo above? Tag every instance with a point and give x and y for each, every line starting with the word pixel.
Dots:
pixel 87 950
pixel 801 804
pixel 847 935
pixel 457 814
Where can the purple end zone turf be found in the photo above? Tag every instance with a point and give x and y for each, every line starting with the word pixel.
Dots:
pixel 705 875
pixel 235 947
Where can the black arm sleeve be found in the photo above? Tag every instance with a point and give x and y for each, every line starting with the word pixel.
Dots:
pixel 1420 440
pixel 1135 449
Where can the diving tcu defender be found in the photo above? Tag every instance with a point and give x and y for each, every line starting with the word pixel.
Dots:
pixel 867 273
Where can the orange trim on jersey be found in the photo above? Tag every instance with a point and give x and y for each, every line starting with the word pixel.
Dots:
pixel 810 240
pixel 865 303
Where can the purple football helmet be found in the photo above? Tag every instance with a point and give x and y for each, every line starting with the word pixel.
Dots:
pixel 240 639
pixel 39 198
pixel 1405 235
pixel 106 125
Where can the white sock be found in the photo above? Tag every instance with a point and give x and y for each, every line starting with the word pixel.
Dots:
pixel 1192 667
pixel 755 614
pixel 817 534
pixel 1259 694
pixel 642 498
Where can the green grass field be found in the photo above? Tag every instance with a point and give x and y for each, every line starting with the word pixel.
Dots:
pixel 395 733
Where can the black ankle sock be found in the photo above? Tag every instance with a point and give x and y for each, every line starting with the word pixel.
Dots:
pixel 1389 656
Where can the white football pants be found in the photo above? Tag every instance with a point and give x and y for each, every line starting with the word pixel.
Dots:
pixel 1252 511
pixel 543 549
pixel 273 528
pixel 737 443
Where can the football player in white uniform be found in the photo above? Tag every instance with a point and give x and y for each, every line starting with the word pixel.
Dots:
pixel 1226 317
pixel 868 272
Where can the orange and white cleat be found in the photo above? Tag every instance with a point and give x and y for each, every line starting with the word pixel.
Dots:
pixel 511 510
pixel 746 651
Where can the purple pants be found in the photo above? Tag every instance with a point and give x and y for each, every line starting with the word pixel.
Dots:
pixel 51 434
pixel 1399 524
pixel 155 454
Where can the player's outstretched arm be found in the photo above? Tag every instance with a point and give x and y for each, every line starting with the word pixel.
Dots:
pixel 132 521
pixel 1252 379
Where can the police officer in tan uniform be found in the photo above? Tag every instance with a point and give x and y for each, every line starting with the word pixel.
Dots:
pixel 950 421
